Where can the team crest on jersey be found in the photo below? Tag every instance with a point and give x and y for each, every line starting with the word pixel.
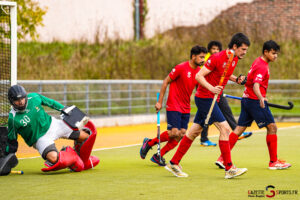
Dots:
pixel 37 109
pixel 189 74
pixel 233 62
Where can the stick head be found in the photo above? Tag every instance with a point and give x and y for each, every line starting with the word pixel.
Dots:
pixel 291 105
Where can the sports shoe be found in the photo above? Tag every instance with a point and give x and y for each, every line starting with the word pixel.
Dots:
pixel 160 162
pixel 279 164
pixel 233 172
pixel 145 148
pixel 176 170
pixel 245 135
pixel 220 163
pixel 208 144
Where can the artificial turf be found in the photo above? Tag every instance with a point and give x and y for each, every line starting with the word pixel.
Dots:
pixel 122 174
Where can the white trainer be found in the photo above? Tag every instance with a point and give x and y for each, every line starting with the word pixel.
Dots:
pixel 176 170
pixel 233 172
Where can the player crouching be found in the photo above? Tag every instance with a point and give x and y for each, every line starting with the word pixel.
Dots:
pixel 38 129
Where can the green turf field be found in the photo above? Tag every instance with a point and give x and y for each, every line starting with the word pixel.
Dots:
pixel 123 175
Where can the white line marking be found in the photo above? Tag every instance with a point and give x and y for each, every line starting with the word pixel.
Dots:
pixel 132 145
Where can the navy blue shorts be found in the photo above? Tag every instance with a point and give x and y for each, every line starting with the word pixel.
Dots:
pixel 203 106
pixel 251 110
pixel 178 120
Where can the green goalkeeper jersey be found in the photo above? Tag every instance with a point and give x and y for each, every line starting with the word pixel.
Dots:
pixel 33 122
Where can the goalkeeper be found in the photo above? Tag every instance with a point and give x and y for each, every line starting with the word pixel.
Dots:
pixel 38 129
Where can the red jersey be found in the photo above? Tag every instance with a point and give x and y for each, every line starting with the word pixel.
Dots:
pixel 216 64
pixel 258 73
pixel 181 87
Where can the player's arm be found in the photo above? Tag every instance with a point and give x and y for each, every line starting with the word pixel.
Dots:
pixel 162 92
pixel 11 143
pixel 257 92
pixel 200 77
pixel 51 103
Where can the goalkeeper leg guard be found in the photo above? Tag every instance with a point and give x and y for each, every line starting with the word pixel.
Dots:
pixel 84 148
pixel 66 158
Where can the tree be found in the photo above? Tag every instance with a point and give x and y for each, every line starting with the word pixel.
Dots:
pixel 29 16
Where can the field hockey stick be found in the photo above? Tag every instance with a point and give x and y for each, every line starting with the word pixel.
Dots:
pixel 158 130
pixel 231 56
pixel 17 172
pixel 291 105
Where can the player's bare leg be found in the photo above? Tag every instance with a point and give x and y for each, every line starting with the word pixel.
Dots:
pixel 52 157
pixel 82 136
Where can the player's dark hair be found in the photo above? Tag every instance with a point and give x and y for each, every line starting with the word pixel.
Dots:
pixel 269 45
pixel 196 50
pixel 239 39
pixel 214 43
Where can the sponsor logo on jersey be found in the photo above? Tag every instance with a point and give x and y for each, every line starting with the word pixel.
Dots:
pixel 189 74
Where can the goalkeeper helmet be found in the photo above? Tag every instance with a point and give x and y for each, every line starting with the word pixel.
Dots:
pixel 17 92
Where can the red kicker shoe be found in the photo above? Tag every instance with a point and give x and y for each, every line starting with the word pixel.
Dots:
pixel 220 163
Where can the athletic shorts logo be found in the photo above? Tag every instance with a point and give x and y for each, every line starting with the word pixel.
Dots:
pixel 261 123
pixel 233 62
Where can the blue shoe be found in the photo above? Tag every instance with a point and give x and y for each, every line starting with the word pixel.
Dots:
pixel 245 135
pixel 208 144
pixel 160 162
pixel 145 148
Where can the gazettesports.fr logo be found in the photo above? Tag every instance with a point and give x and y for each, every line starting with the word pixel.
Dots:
pixel 271 192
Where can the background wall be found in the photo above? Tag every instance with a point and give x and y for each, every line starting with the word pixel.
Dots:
pixel 68 20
